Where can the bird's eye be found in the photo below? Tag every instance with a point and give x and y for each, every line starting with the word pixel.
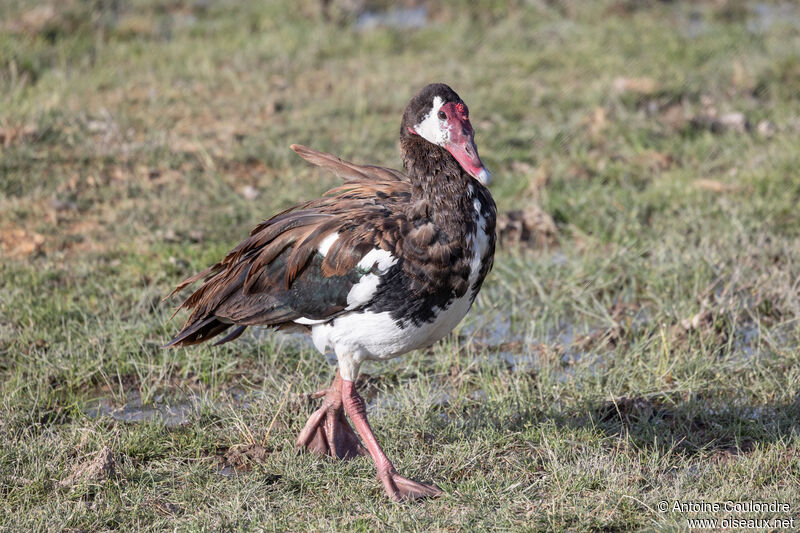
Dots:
pixel 442 115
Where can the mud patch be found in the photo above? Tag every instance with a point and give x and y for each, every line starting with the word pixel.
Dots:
pixel 165 508
pixel 95 470
pixel 242 458
pixel 733 121
pixel 10 135
pixel 629 411
pixel 732 453
pixel 20 243
pixel 531 227
pixel 627 318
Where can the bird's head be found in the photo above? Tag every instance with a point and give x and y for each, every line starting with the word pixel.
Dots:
pixel 438 115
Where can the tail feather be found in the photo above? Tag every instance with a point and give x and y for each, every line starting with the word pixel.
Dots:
pixel 232 336
pixel 200 331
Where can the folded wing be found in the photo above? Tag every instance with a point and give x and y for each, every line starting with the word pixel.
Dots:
pixel 302 263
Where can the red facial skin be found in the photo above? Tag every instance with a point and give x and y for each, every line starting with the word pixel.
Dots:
pixel 462 138
pixel 461 143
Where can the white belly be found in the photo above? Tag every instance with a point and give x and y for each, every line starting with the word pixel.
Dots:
pixel 356 337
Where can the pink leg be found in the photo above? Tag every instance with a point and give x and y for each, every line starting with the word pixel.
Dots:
pixel 327 431
pixel 397 486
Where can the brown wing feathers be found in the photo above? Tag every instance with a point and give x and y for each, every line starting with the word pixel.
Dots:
pixel 346 170
pixel 255 266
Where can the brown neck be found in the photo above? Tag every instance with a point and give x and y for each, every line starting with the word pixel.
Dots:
pixel 440 187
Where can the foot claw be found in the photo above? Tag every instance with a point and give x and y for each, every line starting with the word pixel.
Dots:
pixel 401 488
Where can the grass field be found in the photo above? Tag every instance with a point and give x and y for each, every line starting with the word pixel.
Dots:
pixel 650 354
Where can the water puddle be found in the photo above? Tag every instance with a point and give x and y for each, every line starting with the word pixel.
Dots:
pixel 522 348
pixel 746 341
pixel 764 16
pixel 227 471
pixel 759 18
pixel 172 414
pixel 696 25
pixel 173 409
pixel 492 330
pixel 750 341
pixel 401 18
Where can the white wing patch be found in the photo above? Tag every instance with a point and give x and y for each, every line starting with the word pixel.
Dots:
pixel 377 257
pixel 326 243
pixel 363 291
pixel 308 321
pixel 431 127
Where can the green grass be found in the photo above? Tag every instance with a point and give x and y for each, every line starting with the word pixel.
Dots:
pixel 571 398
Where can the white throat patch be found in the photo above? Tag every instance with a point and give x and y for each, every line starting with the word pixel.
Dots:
pixel 432 128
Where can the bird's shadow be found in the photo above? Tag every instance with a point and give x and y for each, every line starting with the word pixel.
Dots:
pixel 665 423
